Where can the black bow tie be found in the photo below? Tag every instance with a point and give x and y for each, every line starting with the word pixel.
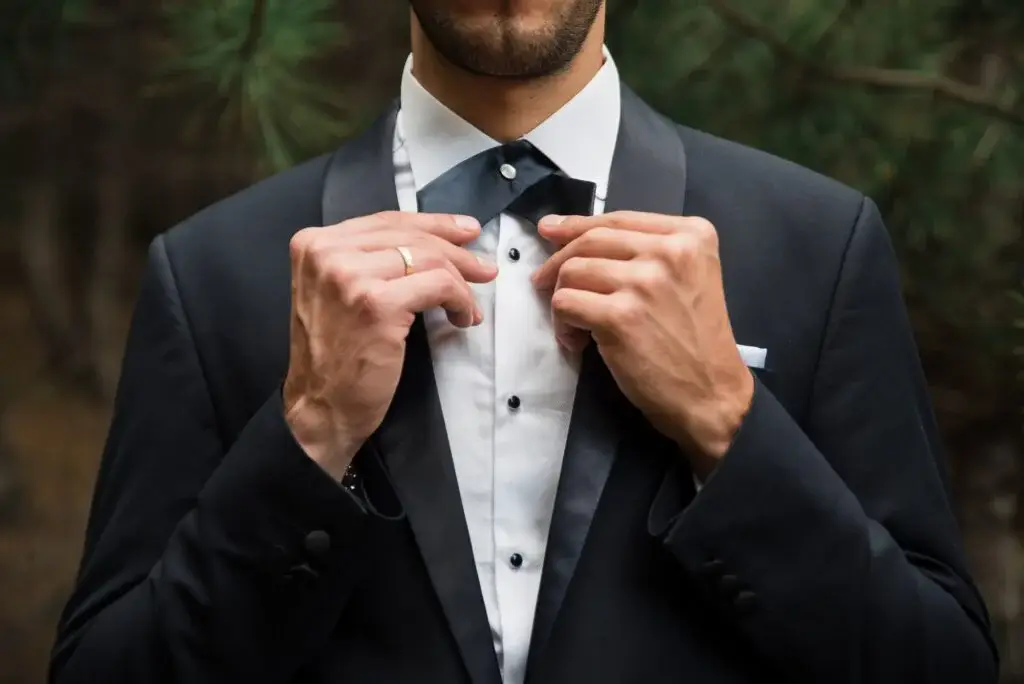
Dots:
pixel 516 178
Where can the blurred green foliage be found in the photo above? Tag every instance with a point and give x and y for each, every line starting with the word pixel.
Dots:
pixel 253 59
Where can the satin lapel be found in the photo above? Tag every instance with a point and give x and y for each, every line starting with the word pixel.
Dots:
pixel 648 174
pixel 412 440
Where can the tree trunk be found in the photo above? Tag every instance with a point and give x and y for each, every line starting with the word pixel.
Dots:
pixel 105 277
pixel 40 255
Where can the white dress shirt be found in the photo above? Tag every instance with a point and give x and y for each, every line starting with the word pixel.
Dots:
pixel 506 387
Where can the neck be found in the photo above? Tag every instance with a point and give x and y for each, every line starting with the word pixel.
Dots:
pixel 504 108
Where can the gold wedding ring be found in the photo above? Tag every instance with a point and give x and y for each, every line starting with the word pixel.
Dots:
pixel 406 258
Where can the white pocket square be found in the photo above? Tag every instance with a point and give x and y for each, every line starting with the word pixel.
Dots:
pixel 754 357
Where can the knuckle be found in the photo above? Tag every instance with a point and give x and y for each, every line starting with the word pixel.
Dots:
pixel 679 249
pixel 368 300
pixel 389 216
pixel 330 266
pixel 651 279
pixel 703 227
pixel 445 270
pixel 584 240
pixel 704 231
pixel 560 301
pixel 457 286
pixel 624 313
pixel 355 295
pixel 341 273
pixel 300 243
pixel 572 268
pixel 616 219
pixel 429 260
pixel 429 224
pixel 454 289
pixel 446 281
pixel 429 242
pixel 599 234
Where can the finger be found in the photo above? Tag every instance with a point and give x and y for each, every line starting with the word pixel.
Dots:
pixel 435 288
pixel 384 264
pixel 602 276
pixel 390 263
pixel 425 261
pixel 453 228
pixel 359 270
pixel 581 309
pixel 473 267
pixel 572 326
pixel 564 229
pixel 572 339
pixel 426 249
pixel 601 242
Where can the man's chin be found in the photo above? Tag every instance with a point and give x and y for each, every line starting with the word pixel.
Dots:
pixel 508 57
pixel 520 41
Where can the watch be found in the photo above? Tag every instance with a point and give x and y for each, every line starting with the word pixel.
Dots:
pixel 352 482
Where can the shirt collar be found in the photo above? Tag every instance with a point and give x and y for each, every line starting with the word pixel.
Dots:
pixel 580 137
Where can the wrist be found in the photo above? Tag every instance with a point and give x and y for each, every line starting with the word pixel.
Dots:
pixel 716 425
pixel 330 448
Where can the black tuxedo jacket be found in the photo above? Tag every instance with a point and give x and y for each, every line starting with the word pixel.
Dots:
pixel 822 550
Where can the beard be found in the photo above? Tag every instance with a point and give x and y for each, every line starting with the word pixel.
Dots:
pixel 503 45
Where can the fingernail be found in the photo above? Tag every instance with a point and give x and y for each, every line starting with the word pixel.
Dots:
pixel 478 316
pixel 550 221
pixel 467 223
pixel 484 261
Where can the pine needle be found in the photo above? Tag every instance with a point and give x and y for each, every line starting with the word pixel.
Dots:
pixel 252 61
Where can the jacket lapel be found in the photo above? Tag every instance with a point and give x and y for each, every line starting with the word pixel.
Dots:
pixel 648 174
pixel 412 440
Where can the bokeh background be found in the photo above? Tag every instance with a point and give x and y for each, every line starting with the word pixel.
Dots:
pixel 119 118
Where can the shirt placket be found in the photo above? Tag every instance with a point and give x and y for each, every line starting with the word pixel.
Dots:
pixel 517 558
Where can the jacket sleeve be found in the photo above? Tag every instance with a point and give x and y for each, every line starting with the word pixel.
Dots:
pixel 205 562
pixel 831 547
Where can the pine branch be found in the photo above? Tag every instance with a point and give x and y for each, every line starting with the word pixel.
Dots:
pixel 246 53
pixel 252 38
pixel 871 77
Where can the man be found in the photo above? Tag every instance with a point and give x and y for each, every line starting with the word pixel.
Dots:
pixel 515 437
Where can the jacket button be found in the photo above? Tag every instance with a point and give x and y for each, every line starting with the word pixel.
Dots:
pixel 318 543
pixel 745 602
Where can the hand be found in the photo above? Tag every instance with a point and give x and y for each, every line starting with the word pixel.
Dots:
pixel 648 289
pixel 352 307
